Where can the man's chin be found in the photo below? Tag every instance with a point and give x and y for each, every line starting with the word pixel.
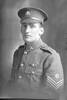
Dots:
pixel 28 40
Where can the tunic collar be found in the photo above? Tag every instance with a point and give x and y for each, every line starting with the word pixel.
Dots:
pixel 34 45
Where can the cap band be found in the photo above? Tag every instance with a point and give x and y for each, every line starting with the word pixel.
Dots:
pixel 35 18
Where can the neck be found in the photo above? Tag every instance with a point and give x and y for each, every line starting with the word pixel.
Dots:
pixel 34 44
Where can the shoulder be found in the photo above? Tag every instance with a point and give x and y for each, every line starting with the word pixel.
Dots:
pixel 53 61
pixel 19 50
pixel 48 49
pixel 52 55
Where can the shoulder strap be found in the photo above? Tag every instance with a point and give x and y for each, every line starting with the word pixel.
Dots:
pixel 48 49
pixel 45 48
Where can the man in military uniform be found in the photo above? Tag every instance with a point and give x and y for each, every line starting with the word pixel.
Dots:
pixel 35 63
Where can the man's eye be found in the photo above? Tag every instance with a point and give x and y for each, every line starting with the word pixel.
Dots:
pixel 32 25
pixel 25 25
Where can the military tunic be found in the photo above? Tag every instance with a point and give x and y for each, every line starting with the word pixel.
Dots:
pixel 39 67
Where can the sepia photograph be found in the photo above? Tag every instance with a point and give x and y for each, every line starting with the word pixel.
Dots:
pixel 33 49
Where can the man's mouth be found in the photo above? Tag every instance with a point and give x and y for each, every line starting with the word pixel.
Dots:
pixel 27 35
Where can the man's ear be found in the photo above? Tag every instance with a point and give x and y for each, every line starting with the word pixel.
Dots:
pixel 42 30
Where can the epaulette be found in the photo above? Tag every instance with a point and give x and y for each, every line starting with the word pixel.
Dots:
pixel 48 49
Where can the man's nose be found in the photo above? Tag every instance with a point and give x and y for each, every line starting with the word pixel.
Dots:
pixel 27 28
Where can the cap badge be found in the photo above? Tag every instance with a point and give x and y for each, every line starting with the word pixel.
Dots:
pixel 27 13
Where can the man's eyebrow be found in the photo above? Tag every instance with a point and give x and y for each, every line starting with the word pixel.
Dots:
pixel 27 23
pixel 24 23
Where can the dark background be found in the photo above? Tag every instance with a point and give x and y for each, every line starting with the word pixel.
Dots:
pixel 10 36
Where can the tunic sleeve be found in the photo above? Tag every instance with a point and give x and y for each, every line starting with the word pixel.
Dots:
pixel 54 72
pixel 14 65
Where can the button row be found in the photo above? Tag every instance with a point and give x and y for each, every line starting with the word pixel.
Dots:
pixel 30 64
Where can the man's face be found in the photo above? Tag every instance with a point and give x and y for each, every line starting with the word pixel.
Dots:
pixel 31 31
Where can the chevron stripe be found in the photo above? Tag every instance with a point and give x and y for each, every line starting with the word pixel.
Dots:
pixel 48 77
pixel 51 83
pixel 60 84
pixel 56 85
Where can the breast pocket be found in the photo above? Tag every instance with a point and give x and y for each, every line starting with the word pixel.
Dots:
pixel 30 68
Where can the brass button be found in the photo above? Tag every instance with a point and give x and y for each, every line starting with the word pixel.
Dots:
pixel 33 65
pixel 20 77
pixel 25 52
pixel 33 72
pixel 22 64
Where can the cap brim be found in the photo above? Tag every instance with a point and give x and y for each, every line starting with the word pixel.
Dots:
pixel 29 20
